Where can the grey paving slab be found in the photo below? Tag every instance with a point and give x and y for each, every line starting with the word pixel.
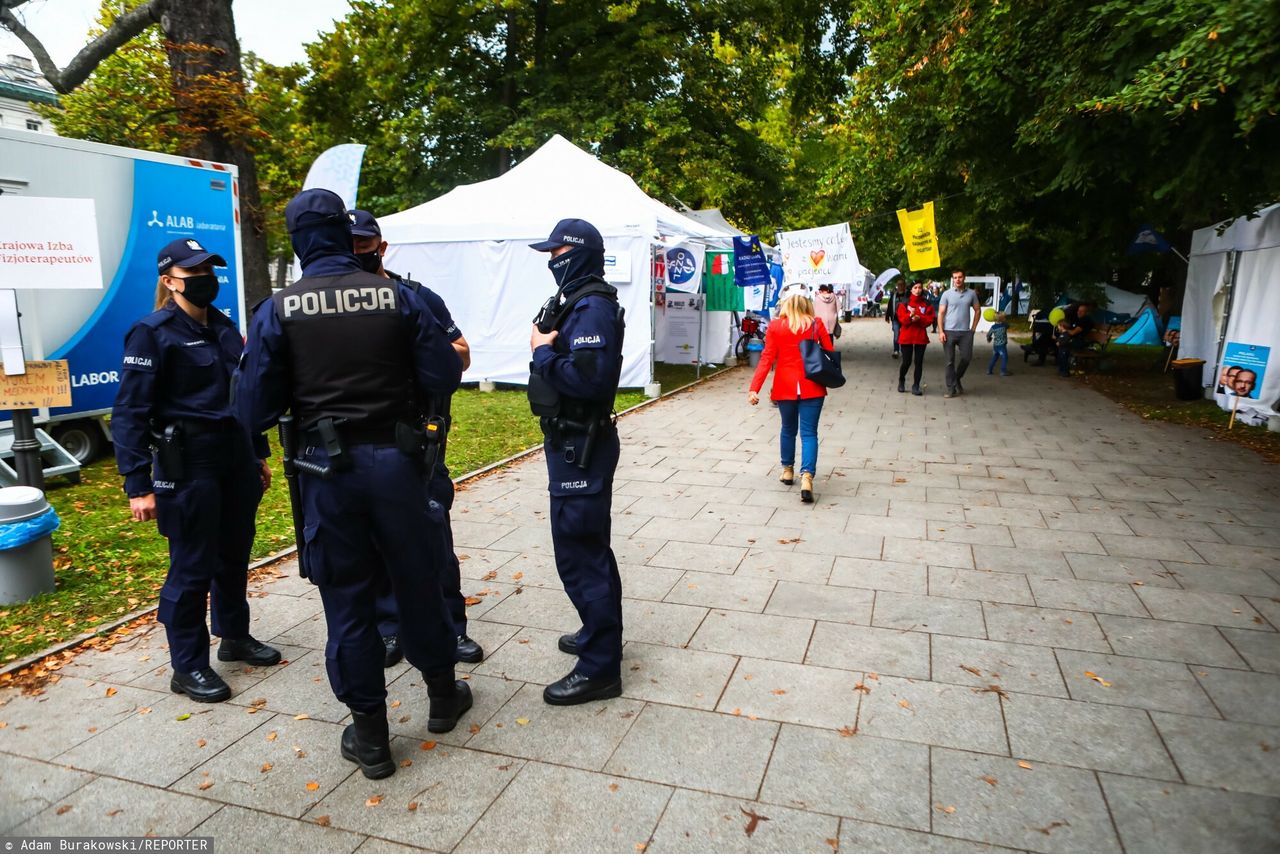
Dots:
pixel 882 839
pixel 1121 570
pixel 107 807
pixel 698 557
pixel 933 713
pixel 537 608
pixel 855 776
pixel 431 803
pixel 1093 523
pixel 928 552
pixel 696 822
pixel 793 693
pixel 757 635
pixel 1260 649
pixel 66 713
pixel 770 565
pixel 660 622
pixel 1170 641
pixel 1268 607
pixel 1241 695
pixel 647 582
pixel 1237 757
pixel 685 747
pixel 994 800
pixel 675 676
pixel 530 655
pixel 862 648
pixel 302 687
pixel 821 602
pixel 1044 626
pixel 1098 596
pixel 28 786
pixel 1159 817
pixel 980 663
pixel 239 829
pixel 408 705
pixel 1028 561
pixel 880 575
pixel 1139 682
pixel 1195 606
pixel 1223 579
pixel 529 728
pixel 548 808
pixel 273 765
pixel 1149 547
pixel 714 590
pixel 980 585
pixel 934 614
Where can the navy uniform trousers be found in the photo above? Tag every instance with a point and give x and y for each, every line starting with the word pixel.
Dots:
pixel 208 518
pixel 581 502
pixel 441 491
pixel 372 515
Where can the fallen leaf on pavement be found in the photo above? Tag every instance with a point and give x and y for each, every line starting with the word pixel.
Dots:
pixel 185 716
pixel 753 820
pixel 992 689
pixel 258 703
pixel 266 766
pixel 522 721
pixel 1052 826
pixel 862 687
pixel 613 787
pixel 848 731
pixel 490 575
pixel 1022 763
pixel 941 808
pixel 302 717
pixel 271 736
pixel 205 784
pixel 779 691
pixel 988 779
pixel 322 820
pixel 905 703
pixel 975 671
pixel 373 801
pixel 312 786
pixel 475 728
pixel 200 742
pixel 517 576
pixel 427 745
pixel 405 763
pixel 413 806
pixel 145 710
pixel 471 600
pixel 111 692
pixel 64 809
pixel 1096 678
pixel 395 704
pixel 114 813
pixel 523 640
pixel 834 843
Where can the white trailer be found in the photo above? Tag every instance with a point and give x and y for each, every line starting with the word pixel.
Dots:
pixel 143 200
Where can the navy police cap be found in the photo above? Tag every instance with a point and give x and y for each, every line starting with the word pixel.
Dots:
pixel 314 207
pixel 571 232
pixel 186 252
pixel 363 224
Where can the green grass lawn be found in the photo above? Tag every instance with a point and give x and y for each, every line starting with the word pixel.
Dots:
pixel 107 565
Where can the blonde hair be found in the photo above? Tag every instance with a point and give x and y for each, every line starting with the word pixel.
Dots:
pixel 797 310
pixel 164 296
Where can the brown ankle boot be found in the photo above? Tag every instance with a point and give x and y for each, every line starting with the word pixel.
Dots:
pixel 806 487
pixel 788 475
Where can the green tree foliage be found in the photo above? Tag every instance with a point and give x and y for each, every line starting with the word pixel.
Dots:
pixel 1051 130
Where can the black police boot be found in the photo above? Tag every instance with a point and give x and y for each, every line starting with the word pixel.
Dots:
pixel 393 651
pixel 568 643
pixel 902 385
pixel 367 742
pixel 915 389
pixel 450 700
pixel 576 688
pixel 469 651
pixel 249 651
pixel 203 686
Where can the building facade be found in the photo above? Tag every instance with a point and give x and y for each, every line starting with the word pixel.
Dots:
pixel 21 85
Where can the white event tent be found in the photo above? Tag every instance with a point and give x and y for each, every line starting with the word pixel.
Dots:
pixel 471 246
pixel 1233 296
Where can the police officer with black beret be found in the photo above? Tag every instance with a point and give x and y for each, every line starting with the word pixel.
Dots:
pixel 370 249
pixel 349 353
pixel 577 361
pixel 189 465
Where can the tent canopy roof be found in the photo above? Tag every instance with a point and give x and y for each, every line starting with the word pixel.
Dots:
pixel 558 180
pixel 1261 232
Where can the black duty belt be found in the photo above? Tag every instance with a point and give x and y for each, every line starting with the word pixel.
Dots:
pixel 382 434
pixel 193 427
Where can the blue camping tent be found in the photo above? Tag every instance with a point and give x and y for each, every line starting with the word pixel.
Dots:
pixel 1145 331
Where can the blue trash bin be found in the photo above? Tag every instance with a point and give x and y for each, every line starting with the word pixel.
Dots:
pixel 26 548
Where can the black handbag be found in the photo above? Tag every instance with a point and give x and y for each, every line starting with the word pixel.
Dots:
pixel 821 366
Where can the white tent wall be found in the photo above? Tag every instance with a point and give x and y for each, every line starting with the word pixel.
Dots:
pixel 495 287
pixel 1253 247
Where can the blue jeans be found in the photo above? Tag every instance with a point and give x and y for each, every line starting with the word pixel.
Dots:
pixel 999 352
pixel 803 414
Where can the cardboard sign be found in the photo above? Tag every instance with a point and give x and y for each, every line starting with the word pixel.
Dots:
pixel 819 256
pixel 49 243
pixel 44 384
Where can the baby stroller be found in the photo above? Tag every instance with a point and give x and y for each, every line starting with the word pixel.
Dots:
pixel 1042 343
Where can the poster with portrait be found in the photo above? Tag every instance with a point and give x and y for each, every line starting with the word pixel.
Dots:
pixel 1242 370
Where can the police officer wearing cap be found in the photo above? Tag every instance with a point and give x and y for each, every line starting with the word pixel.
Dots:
pixel 349 353
pixel 190 466
pixel 577 361
pixel 370 249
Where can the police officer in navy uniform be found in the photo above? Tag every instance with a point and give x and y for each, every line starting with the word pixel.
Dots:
pixel 577 361
pixel 370 249
pixel 349 353
pixel 206 476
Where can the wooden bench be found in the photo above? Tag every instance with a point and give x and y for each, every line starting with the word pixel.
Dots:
pixel 1092 354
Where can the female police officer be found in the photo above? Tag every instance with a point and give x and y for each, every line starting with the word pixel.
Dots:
pixel 207 476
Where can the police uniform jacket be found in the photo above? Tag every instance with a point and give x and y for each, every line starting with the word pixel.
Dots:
pixel 584 363
pixel 174 369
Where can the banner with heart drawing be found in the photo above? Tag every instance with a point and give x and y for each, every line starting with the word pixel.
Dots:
pixel 819 256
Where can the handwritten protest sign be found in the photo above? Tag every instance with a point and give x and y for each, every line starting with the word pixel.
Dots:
pixel 44 384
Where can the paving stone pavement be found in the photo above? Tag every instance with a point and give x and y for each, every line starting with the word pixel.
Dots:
pixel 1021 619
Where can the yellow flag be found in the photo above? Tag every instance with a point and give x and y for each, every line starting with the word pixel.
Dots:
pixel 920 237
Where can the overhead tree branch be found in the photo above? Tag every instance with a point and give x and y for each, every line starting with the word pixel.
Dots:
pixel 65 80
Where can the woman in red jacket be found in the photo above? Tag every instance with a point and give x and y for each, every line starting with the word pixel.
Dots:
pixel 915 316
pixel 799 400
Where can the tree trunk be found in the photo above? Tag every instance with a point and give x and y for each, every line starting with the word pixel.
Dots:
pixel 203 54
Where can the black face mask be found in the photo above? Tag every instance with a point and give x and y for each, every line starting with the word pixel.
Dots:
pixel 370 262
pixel 200 290
pixel 578 263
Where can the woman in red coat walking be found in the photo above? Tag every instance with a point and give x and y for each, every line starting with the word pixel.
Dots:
pixel 799 400
pixel 915 315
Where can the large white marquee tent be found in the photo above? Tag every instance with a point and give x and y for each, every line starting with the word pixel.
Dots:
pixel 1233 295
pixel 471 247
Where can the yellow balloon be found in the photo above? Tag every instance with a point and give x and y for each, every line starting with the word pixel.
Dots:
pixel 989 314
pixel 1057 316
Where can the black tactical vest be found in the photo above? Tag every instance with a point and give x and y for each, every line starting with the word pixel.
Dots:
pixel 349 350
